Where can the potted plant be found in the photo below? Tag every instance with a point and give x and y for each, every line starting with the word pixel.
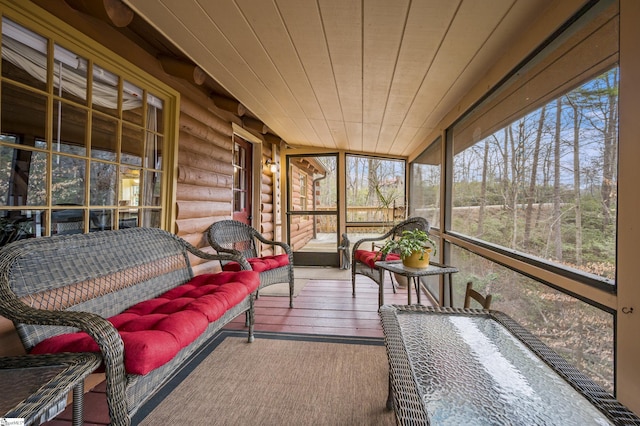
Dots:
pixel 414 247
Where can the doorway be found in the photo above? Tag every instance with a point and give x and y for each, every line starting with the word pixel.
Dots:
pixel 312 209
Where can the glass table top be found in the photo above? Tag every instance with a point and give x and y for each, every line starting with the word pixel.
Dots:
pixel 471 370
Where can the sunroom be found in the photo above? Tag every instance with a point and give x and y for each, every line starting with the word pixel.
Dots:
pixel 506 124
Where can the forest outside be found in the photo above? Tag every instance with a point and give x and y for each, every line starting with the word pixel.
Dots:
pixel 545 186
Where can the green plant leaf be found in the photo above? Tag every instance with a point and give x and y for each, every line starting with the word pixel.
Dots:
pixel 410 241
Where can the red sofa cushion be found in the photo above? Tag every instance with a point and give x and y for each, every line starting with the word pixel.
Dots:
pixel 260 264
pixel 371 257
pixel 155 330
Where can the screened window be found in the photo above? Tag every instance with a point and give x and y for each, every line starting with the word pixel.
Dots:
pixel 375 189
pixel 533 187
pixel 535 165
pixel 426 171
pixel 80 148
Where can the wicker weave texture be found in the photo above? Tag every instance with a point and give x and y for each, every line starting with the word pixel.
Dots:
pixel 50 378
pixel 405 373
pixel 231 236
pixel 57 284
pixel 359 268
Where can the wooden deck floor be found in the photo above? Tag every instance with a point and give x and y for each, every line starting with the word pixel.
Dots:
pixel 323 306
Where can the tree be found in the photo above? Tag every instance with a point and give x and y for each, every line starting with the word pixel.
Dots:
pixel 574 102
pixel 556 229
pixel 610 151
pixel 483 189
pixel 533 178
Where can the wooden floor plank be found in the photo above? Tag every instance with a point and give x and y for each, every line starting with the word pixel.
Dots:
pixel 325 306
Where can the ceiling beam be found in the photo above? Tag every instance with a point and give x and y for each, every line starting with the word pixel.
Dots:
pixel 182 69
pixel 256 125
pixel 113 12
pixel 228 104
pixel 272 139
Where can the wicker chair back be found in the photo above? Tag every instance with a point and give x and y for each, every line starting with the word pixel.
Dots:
pixel 232 236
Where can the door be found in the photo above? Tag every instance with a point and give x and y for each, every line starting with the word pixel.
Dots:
pixel 312 209
pixel 242 160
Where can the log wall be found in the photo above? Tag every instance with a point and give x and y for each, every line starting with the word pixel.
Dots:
pixel 205 180
pixel 301 227
pixel 205 177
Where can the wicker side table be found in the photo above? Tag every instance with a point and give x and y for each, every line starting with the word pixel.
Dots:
pixel 414 276
pixel 35 387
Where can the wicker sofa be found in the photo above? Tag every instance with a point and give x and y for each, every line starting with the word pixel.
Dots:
pixel 129 294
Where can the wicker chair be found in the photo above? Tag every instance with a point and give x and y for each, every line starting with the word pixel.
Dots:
pixel 362 260
pixel 235 237
pixel 485 301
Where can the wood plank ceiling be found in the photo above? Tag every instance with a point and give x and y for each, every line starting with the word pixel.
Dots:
pixel 372 76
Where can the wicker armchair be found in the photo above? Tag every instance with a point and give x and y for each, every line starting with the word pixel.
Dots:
pixel 235 237
pixel 362 260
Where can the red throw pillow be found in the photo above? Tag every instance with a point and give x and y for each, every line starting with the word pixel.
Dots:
pixel 370 258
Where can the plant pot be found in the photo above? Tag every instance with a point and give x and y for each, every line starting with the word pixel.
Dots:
pixel 418 259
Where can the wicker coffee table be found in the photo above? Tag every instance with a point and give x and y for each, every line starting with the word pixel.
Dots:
pixel 35 387
pixel 467 366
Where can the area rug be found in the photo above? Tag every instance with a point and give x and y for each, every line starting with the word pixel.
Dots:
pixel 279 379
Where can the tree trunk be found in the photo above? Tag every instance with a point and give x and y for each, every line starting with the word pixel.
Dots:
pixel 516 158
pixel 531 192
pixel 576 180
pixel 556 228
pixel 483 190
pixel 609 163
pixel 505 168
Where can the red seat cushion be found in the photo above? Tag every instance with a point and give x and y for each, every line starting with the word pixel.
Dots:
pixel 369 258
pixel 260 264
pixel 155 330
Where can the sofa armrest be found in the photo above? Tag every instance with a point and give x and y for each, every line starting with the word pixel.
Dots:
pixel 230 255
pixel 101 330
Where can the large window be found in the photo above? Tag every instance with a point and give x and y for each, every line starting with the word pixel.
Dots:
pixel 532 192
pixel 81 147
pixel 545 184
pixel 375 195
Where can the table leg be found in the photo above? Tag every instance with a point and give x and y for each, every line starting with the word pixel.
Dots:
pixel 393 284
pixel 381 288
pixel 416 284
pixel 409 283
pixel 78 404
